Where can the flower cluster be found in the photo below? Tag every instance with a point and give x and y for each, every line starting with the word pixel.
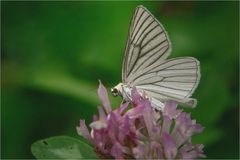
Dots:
pixel 140 131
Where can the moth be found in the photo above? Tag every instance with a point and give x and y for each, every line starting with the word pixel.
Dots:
pixel 146 67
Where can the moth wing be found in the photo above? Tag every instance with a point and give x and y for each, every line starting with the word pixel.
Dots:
pixel 175 79
pixel 145 65
pixel 147 44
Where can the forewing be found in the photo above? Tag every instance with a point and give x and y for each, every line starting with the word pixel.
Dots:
pixel 147 44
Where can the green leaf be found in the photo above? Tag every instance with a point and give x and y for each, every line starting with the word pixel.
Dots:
pixel 62 147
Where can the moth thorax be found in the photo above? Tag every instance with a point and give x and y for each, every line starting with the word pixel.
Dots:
pixel 117 90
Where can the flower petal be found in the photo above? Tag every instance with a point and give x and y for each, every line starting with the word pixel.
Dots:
pixel 117 151
pixel 170 148
pixel 149 120
pixel 122 107
pixel 190 152
pixel 136 112
pixel 166 124
pixel 136 97
pixel 102 115
pixel 184 128
pixel 102 93
pixel 139 151
pixel 154 150
pixel 83 131
pixel 171 110
pixel 98 125
pixel 141 132
pixel 112 127
pixel 101 140
pixel 102 122
pixel 124 130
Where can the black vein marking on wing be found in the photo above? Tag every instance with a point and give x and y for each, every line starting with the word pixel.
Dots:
pixel 135 45
pixel 154 84
pixel 196 80
pixel 146 34
pixel 166 90
pixel 186 75
pixel 162 94
pixel 145 23
pixel 162 100
pixel 139 56
pixel 144 30
pixel 143 54
pixel 171 65
pixel 134 63
pixel 165 78
pixel 160 54
pixel 125 59
pixel 158 104
pixel 179 81
pixel 130 41
pixel 180 69
pixel 150 40
pixel 135 25
pixel 135 79
pixel 159 57
pixel 140 27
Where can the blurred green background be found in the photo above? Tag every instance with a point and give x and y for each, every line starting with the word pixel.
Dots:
pixel 53 54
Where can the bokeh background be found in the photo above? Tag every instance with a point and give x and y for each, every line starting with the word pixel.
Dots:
pixel 53 54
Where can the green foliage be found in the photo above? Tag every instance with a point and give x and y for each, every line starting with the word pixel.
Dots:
pixel 62 147
pixel 53 54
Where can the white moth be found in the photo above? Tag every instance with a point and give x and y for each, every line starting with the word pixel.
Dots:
pixel 146 66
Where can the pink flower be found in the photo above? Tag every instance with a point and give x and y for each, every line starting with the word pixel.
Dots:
pixel 142 132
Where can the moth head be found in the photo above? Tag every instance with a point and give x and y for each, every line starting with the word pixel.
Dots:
pixel 114 92
pixel 117 90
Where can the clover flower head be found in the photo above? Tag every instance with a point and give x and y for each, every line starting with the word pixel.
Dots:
pixel 140 131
